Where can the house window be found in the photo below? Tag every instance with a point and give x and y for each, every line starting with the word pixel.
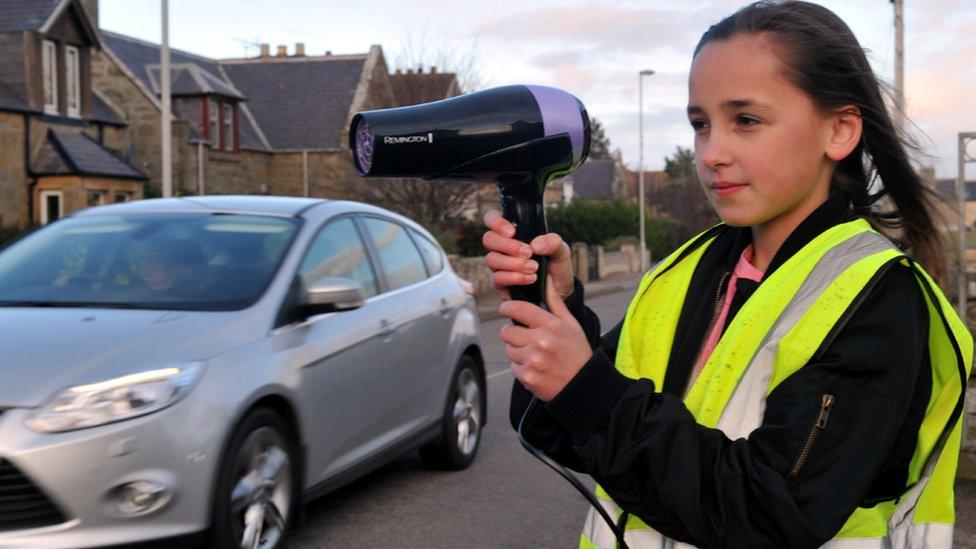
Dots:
pixel 49 62
pixel 214 123
pixel 228 127
pixel 95 198
pixel 50 206
pixel 73 80
pixel 121 196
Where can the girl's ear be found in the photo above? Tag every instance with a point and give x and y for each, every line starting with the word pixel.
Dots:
pixel 845 125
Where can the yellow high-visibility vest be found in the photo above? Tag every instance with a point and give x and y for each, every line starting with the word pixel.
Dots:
pixel 779 329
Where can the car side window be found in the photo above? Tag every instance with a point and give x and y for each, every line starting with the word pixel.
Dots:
pixel 337 251
pixel 431 252
pixel 399 257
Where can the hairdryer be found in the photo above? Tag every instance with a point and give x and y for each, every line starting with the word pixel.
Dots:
pixel 521 137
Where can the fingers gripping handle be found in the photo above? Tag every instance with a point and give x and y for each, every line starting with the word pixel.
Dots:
pixel 526 212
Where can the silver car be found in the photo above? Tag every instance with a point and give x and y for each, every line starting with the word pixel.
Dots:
pixel 177 366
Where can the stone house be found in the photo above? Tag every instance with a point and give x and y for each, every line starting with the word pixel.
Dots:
pixel 271 124
pixel 263 125
pixel 63 145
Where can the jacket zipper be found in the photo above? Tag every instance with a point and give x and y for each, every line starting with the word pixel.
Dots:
pixel 826 403
pixel 716 309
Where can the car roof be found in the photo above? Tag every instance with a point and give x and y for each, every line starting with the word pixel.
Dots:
pixel 282 206
pixel 264 205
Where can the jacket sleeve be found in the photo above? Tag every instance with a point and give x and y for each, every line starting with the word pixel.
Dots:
pixel 540 428
pixel 696 485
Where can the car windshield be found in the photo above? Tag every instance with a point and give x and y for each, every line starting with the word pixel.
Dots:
pixel 204 262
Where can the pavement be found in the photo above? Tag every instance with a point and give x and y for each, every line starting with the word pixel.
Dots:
pixel 965 492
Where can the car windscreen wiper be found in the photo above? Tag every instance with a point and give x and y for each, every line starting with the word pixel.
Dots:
pixel 69 304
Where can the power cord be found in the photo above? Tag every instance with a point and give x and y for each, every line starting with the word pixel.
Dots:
pixel 590 496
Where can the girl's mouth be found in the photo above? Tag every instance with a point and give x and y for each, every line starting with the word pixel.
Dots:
pixel 723 188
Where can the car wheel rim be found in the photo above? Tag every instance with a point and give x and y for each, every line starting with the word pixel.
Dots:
pixel 261 498
pixel 467 411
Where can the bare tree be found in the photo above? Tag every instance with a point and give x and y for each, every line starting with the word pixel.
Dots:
pixel 440 206
pixel 416 52
pixel 682 197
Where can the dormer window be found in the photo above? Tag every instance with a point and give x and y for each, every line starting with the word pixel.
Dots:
pixel 49 61
pixel 214 109
pixel 228 127
pixel 73 80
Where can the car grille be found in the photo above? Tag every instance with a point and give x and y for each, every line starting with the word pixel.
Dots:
pixel 22 504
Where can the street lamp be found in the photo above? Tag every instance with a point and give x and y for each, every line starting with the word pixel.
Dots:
pixel 640 166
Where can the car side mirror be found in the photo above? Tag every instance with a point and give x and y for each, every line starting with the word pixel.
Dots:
pixel 327 295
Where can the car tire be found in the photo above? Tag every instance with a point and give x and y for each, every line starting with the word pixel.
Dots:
pixel 461 424
pixel 256 500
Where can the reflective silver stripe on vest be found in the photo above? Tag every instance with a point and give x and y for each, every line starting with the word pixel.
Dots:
pixel 600 534
pixel 744 412
pixel 916 536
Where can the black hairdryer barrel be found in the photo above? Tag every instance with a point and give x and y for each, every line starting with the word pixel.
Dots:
pixel 521 137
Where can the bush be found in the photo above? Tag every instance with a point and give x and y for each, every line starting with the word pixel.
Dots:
pixel 607 222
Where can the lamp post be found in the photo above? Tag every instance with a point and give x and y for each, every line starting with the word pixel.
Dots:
pixel 640 166
pixel 899 6
pixel 167 153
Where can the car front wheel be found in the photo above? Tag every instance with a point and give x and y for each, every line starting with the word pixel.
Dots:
pixel 256 490
pixel 462 421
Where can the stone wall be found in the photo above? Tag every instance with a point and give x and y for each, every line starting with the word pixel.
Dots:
pixel 967 458
pixel 474 270
pixel 328 174
pixel 13 176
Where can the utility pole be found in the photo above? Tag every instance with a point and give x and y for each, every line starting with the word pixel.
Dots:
pixel 167 130
pixel 965 140
pixel 899 63
pixel 640 166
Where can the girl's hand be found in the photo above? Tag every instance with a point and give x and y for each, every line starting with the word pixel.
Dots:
pixel 511 263
pixel 549 350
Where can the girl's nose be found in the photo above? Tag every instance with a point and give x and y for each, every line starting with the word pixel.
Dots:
pixel 713 151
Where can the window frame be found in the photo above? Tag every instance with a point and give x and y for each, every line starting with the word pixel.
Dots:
pixel 72 80
pixel 45 215
pixel 49 75
pixel 227 114
pixel 417 236
pixel 99 194
pixel 378 263
pixel 371 260
pixel 214 107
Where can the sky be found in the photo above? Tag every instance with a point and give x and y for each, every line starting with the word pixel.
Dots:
pixel 593 49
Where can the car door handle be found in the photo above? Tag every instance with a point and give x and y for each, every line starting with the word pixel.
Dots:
pixel 386 328
pixel 445 307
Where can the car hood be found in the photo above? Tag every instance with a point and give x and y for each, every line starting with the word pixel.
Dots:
pixel 45 350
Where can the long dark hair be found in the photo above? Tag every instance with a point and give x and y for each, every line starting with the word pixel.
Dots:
pixel 825 60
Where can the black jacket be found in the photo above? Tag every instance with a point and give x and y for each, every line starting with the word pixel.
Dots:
pixel 693 483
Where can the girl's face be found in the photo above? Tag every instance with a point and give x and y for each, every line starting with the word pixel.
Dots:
pixel 760 142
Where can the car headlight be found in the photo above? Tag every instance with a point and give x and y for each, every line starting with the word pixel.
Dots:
pixel 115 399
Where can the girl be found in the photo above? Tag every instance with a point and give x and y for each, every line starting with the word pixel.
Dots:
pixel 788 378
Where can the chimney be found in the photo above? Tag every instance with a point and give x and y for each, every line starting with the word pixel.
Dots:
pixel 398 71
pixel 299 49
pixel 409 71
pixel 265 51
pixel 433 70
pixel 420 69
pixel 328 52
pixel 282 51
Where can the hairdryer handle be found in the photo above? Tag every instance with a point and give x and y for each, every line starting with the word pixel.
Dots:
pixel 526 212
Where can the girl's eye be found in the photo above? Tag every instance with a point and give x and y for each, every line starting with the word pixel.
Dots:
pixel 698 124
pixel 747 121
